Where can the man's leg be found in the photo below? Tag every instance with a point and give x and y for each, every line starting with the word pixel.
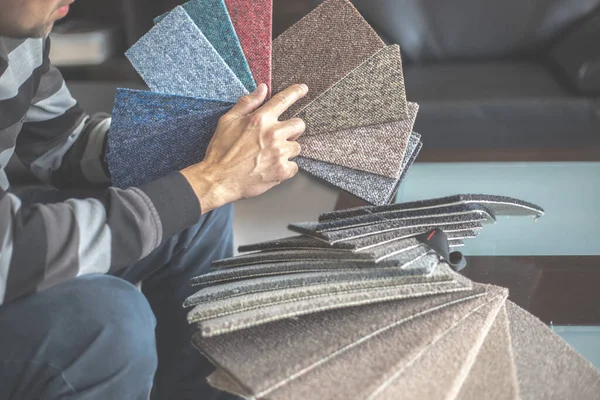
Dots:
pixel 89 338
pixel 166 275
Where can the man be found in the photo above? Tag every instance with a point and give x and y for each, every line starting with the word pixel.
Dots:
pixel 71 322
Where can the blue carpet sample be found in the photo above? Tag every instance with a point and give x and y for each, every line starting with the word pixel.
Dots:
pixel 175 57
pixel 375 189
pixel 212 18
pixel 154 134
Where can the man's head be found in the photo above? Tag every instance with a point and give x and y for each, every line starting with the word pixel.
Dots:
pixel 30 18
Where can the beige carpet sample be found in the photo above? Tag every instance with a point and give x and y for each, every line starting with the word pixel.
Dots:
pixel 377 149
pixel 547 367
pixel 371 94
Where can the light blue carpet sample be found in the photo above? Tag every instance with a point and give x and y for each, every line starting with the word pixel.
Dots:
pixel 154 134
pixel 174 57
pixel 213 19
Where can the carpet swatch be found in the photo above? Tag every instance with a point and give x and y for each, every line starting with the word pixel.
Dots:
pixel 290 255
pixel 375 189
pixel 493 375
pixel 496 206
pixel 154 134
pixel 229 316
pixel 253 22
pixel 290 243
pixel 371 94
pixel 404 215
pixel 338 332
pixel 299 57
pixel 281 282
pixel 175 57
pixel 377 149
pixel 448 358
pixel 547 367
pixel 212 18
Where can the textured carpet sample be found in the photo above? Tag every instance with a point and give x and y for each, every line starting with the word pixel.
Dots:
pixel 493 375
pixel 377 149
pixel 265 284
pixel 448 358
pixel 547 367
pixel 175 57
pixel 228 306
pixel 256 309
pixel 341 235
pixel 371 94
pixel 287 351
pixel 373 188
pixel 496 205
pixel 154 134
pixel 212 18
pixel 298 57
pixel 290 243
pixel 403 215
pixel 253 22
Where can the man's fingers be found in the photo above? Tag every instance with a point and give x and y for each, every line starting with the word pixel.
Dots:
pixel 283 100
pixel 293 150
pixel 291 129
pixel 249 103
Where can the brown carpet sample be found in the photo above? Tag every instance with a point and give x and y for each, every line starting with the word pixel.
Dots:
pixel 440 370
pixel 379 356
pixel 371 94
pixel 493 375
pixel 299 56
pixel 220 380
pixel 264 357
pixel 547 367
pixel 378 149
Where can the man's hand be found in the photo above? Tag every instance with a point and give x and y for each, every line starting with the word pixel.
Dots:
pixel 250 151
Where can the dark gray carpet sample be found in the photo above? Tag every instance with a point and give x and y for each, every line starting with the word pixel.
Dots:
pixel 283 303
pixel 291 243
pixel 289 349
pixel 370 241
pixel 547 367
pixel 280 282
pixel 496 205
pixel 375 189
pixel 382 227
pixel 375 218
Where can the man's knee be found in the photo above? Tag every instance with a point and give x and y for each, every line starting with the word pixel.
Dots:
pixel 94 330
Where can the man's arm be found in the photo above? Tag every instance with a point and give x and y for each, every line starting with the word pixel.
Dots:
pixel 44 245
pixel 59 143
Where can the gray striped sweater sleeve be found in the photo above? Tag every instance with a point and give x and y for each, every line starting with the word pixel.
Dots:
pixel 42 245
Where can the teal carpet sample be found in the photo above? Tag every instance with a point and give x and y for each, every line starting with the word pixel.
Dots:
pixel 154 134
pixel 175 57
pixel 212 18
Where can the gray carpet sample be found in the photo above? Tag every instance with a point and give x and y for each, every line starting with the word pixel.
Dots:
pixel 375 189
pixel 377 149
pixel 448 360
pixel 493 375
pixel 262 308
pixel 496 205
pixel 371 94
pixel 290 255
pixel 367 230
pixel 375 218
pixel 547 367
pixel 281 282
pixel 289 243
pixel 290 347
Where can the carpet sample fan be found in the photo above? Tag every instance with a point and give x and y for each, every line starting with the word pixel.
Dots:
pixel 202 56
pixel 368 304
